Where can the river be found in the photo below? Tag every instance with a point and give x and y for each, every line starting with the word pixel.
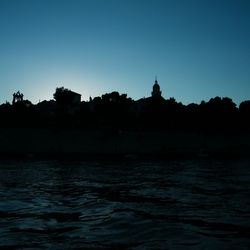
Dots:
pixel 132 204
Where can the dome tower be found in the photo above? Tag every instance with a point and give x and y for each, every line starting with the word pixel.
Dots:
pixel 156 89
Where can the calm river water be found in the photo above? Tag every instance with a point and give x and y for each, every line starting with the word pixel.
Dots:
pixel 187 204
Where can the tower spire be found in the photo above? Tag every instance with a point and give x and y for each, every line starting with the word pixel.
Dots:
pixel 156 93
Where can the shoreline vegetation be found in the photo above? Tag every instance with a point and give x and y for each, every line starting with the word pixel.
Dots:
pixel 120 144
pixel 116 125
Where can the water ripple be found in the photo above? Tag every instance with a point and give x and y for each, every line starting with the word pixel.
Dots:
pixel 194 204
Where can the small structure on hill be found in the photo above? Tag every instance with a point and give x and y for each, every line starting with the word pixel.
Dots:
pixel 17 97
pixel 65 96
pixel 74 97
pixel 156 93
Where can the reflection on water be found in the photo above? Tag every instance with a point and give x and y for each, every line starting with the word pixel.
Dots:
pixel 194 204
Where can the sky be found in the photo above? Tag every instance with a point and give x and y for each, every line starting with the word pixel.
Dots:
pixel 198 49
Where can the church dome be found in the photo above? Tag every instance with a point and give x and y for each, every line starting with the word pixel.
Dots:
pixel 156 89
pixel 156 85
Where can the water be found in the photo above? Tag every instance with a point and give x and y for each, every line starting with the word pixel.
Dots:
pixel 191 204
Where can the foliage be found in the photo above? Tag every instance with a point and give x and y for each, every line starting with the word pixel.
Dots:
pixel 117 111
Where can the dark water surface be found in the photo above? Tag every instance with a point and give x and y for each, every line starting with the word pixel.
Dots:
pixel 187 204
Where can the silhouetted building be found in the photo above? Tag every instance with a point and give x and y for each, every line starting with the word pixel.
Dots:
pixel 17 97
pixel 75 97
pixel 143 104
pixel 156 90
pixel 66 97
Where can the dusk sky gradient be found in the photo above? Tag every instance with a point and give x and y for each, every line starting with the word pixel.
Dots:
pixel 198 48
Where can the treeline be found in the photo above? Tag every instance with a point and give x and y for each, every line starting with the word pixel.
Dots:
pixel 117 112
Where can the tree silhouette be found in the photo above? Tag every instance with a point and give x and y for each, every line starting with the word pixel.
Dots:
pixel 117 111
pixel 61 96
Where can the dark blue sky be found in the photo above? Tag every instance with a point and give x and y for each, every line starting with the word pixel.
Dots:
pixel 198 49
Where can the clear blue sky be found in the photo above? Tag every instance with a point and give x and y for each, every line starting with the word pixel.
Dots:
pixel 198 48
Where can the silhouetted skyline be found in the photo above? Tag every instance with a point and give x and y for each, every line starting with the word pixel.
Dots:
pixel 198 49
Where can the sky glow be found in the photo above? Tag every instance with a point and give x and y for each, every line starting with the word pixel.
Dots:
pixel 198 49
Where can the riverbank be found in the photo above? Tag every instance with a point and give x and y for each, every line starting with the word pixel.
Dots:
pixel 52 142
